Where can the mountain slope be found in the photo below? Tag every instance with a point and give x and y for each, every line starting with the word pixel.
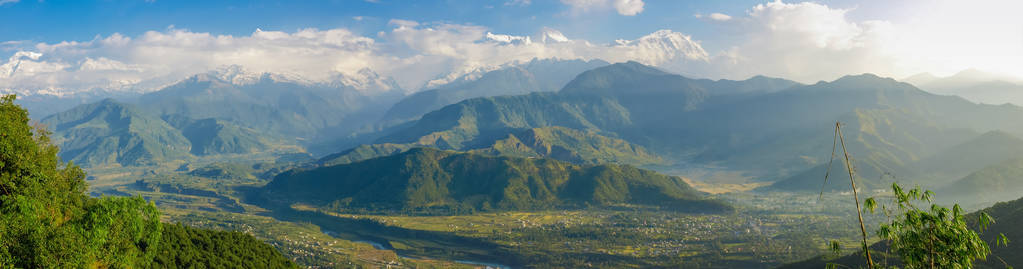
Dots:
pixel 212 136
pixel 109 132
pixel 998 182
pixel 274 104
pixel 430 180
pixel 564 144
pixel 976 86
pixel 560 143
pixel 613 98
pixel 960 160
pixel 536 75
pixel 885 145
pixel 481 121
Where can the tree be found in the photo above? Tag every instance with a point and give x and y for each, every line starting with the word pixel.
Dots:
pixel 47 220
pixel 937 237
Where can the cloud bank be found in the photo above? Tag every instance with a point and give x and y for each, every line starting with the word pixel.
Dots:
pixel 416 54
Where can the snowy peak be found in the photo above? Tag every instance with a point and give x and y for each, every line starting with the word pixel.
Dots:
pixel 548 35
pixel 666 45
pixel 510 39
pixel 238 75
pixel 364 80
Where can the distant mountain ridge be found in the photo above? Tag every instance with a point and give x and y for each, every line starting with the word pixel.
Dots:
pixel 109 132
pixel 273 105
pixel 533 76
pixel 974 85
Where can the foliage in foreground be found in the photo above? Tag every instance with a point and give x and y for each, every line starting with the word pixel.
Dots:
pixel 937 237
pixel 930 237
pixel 47 220
pixel 187 247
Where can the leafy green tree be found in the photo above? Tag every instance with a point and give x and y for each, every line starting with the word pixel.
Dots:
pixel 934 236
pixel 47 220
pixel 186 247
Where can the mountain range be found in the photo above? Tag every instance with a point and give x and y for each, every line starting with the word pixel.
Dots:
pixel 782 131
pixel 627 113
pixel 275 104
pixel 974 85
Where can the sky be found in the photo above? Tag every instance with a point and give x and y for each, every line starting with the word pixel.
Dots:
pixel 49 46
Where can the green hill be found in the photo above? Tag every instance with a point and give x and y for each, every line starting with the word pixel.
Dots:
pixel 560 143
pixel 580 147
pixel 432 181
pixel 109 132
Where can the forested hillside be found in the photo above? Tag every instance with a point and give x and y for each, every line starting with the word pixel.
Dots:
pixel 110 132
pixel 187 247
pixel 560 143
pixel 427 180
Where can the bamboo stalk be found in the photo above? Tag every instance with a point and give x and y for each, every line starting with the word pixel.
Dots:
pixel 856 197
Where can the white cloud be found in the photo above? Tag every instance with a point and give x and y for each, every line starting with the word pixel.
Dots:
pixel 3 2
pixel 801 41
pixel 810 41
pixel 413 53
pixel 629 7
pixel 719 17
pixel 157 58
pixel 623 7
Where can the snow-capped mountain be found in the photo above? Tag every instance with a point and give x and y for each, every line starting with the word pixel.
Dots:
pixel 663 46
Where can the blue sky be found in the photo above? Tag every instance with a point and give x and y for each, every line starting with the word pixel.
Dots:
pixel 54 21
pixel 73 45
